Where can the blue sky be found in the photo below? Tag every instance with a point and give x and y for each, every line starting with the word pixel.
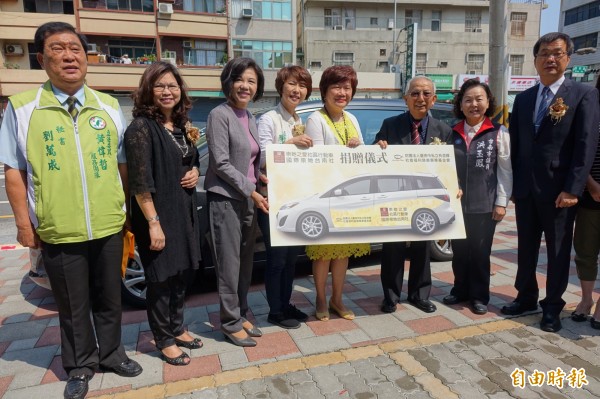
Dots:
pixel 550 16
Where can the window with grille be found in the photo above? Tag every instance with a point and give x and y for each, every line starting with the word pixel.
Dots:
pixel 343 58
pixel 517 23
pixel 205 53
pixel 436 20
pixel 267 54
pixel 516 62
pixel 279 10
pixel 413 17
pixel 475 64
pixel 473 21
pixel 421 61
pixel 130 5
pixel 340 18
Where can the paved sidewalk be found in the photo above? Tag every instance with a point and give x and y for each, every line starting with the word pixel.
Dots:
pixel 446 354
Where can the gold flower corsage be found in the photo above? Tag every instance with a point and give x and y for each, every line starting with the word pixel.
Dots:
pixel 557 110
pixel 298 130
pixel 192 132
pixel 436 141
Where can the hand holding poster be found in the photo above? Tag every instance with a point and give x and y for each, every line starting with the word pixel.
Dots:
pixel 336 194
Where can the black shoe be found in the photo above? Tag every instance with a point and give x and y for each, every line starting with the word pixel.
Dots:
pixel 595 324
pixel 248 341
pixel 388 306
pixel 452 299
pixel 293 312
pixel 282 320
pixel 196 343
pixel 253 332
pixel 478 307
pixel 516 308
pixel 578 317
pixel 424 304
pixel 129 368
pixel 550 323
pixel 77 387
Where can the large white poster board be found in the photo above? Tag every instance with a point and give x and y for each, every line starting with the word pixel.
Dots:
pixel 336 194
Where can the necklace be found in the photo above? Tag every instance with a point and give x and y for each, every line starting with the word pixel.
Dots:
pixel 181 147
pixel 344 138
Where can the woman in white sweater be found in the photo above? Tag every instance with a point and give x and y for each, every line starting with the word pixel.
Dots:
pixel 283 126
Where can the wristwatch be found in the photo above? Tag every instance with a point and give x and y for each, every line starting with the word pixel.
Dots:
pixel 153 219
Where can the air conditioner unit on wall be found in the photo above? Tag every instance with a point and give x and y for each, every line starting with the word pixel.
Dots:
pixel 247 13
pixel 92 48
pixel 187 44
pixel 13 49
pixel 165 8
pixel 338 27
pixel 395 68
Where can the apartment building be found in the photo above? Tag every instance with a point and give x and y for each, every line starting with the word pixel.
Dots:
pixel 580 19
pixel 452 37
pixel 264 30
pixel 190 33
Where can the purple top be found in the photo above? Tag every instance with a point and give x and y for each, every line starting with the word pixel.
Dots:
pixel 242 116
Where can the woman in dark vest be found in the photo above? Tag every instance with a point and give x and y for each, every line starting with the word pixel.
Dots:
pixel 482 151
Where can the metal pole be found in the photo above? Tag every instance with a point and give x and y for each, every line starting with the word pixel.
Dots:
pixel 498 69
pixel 394 36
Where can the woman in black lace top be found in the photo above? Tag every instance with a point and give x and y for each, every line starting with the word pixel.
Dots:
pixel 162 164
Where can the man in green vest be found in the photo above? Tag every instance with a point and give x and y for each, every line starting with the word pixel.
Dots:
pixel 61 146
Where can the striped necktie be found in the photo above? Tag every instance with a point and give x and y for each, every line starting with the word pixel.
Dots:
pixel 416 138
pixel 71 101
pixel 543 108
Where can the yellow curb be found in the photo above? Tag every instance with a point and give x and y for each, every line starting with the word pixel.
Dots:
pixel 435 338
pixel 362 352
pixel 435 386
pixel 401 345
pixel 185 386
pixel 324 359
pixel 151 392
pixel 500 325
pixel 408 363
pixel 464 332
pixel 281 367
pixel 235 376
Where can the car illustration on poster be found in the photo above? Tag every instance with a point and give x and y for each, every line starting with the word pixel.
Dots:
pixel 417 201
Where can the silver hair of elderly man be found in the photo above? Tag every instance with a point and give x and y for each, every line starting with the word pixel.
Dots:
pixel 421 77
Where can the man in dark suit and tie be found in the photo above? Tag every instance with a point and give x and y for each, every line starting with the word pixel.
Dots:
pixel 554 132
pixel 413 127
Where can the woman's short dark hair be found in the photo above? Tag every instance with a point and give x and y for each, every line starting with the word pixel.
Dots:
pixel 234 69
pixel 143 97
pixel 301 75
pixel 337 74
pixel 461 93
pixel 50 28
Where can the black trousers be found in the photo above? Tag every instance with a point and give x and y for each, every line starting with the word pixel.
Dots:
pixel 535 217
pixel 393 255
pixel 471 259
pixel 86 277
pixel 165 303
pixel 281 266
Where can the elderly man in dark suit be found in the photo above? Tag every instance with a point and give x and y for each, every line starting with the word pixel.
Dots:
pixel 554 132
pixel 413 127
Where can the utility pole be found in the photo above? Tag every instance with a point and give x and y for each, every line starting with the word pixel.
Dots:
pixel 498 70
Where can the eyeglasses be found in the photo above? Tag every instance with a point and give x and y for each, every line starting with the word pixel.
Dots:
pixel 161 88
pixel 416 94
pixel 546 56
